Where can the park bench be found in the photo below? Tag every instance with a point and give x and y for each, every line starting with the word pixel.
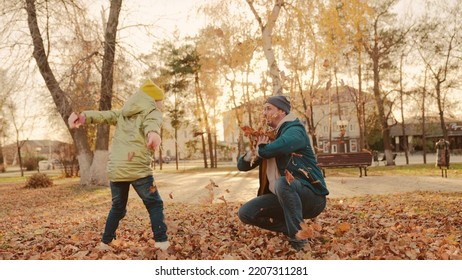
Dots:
pixel 362 160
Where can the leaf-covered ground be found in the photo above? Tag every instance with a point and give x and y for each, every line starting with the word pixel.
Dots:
pixel 65 222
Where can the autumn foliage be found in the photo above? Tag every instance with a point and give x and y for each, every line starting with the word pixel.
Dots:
pixel 65 222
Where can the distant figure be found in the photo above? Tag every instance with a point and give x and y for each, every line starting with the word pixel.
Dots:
pixel 442 156
pixel 137 127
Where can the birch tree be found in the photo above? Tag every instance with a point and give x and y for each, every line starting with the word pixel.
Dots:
pixel 267 29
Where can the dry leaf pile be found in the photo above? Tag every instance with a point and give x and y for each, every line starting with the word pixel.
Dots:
pixel 65 222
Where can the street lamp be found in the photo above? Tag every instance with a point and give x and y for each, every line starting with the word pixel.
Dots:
pixel 342 124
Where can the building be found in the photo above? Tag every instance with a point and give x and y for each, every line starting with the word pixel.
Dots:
pixel 433 131
pixel 336 120
pixel 37 150
pixel 334 117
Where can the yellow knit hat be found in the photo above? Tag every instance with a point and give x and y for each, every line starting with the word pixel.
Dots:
pixel 151 89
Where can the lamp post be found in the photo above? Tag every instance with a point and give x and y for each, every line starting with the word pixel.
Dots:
pixel 342 124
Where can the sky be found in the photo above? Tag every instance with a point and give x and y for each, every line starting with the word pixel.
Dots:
pixel 163 17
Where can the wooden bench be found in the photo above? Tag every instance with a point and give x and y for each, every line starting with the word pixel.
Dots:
pixel 360 159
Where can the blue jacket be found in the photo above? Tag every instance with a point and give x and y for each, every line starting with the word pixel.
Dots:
pixel 293 152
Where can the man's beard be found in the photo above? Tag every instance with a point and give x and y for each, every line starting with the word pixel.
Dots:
pixel 271 119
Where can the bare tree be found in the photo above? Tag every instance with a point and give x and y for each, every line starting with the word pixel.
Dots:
pixel 383 40
pixel 438 43
pixel 18 125
pixel 92 167
pixel 402 94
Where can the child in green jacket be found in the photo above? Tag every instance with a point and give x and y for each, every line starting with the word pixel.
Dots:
pixel 137 127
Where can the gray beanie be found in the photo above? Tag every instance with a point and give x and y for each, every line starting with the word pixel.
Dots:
pixel 280 101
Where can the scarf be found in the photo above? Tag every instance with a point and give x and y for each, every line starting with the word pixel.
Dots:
pixel 272 171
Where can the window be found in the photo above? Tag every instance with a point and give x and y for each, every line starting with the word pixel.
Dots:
pixel 325 147
pixel 353 145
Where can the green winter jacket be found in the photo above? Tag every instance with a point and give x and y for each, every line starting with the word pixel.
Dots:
pixel 129 157
pixel 293 152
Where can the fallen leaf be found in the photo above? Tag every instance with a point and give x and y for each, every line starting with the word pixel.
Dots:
pixel 305 232
pixel 289 177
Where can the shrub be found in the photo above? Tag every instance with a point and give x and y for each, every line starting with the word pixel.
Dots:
pixel 39 180
pixel 30 164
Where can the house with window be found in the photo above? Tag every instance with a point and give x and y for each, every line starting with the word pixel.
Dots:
pixel 413 134
pixel 334 117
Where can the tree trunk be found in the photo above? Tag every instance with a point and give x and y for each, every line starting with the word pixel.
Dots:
pixel 198 105
pixel 21 169
pixel 362 107
pixel 84 155
pixel 208 131
pixel 98 166
pixel 176 148
pixel 441 109
pixel 206 122
pixel 92 168
pixel 424 130
pixel 403 125
pixel 381 110
pixel 267 30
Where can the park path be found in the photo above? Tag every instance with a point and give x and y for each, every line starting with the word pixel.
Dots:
pixel 241 186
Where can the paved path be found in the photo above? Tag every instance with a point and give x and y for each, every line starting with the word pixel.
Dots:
pixel 242 186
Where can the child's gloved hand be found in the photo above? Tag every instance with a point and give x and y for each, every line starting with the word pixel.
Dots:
pixel 75 120
pixel 153 140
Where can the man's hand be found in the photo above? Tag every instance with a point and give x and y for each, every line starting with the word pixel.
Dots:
pixel 76 120
pixel 153 140
pixel 263 139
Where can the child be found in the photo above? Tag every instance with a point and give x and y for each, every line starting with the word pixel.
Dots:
pixel 137 127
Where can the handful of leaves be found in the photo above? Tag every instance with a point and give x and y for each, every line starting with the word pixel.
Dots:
pixel 253 135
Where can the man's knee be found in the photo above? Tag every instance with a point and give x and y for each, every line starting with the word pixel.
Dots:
pixel 243 215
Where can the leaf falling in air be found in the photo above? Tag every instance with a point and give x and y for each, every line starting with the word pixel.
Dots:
pixel 222 198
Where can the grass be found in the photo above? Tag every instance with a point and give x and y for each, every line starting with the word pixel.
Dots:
pixel 15 176
pixel 455 170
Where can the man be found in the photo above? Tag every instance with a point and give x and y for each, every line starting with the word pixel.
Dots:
pixel 292 187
